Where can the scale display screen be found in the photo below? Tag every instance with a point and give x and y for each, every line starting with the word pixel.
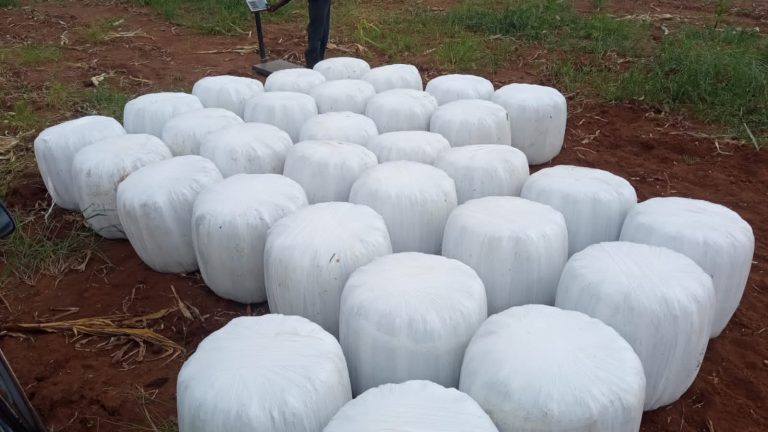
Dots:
pixel 257 5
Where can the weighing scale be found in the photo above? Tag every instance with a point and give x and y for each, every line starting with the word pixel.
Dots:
pixel 265 67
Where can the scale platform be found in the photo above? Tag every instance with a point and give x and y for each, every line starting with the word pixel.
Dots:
pixel 265 67
pixel 268 67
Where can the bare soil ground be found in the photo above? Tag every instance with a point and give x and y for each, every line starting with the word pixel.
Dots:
pixel 81 388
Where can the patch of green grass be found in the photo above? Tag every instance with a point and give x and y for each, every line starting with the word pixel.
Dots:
pixel 31 54
pixel 600 34
pixel 9 3
pixel 21 118
pixel 207 16
pixel 98 31
pixel 460 54
pixel 107 100
pixel 528 19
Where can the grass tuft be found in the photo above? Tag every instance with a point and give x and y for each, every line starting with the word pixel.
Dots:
pixel 30 54
pixel 9 3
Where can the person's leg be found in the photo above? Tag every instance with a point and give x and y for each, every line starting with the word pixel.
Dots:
pixel 326 28
pixel 315 31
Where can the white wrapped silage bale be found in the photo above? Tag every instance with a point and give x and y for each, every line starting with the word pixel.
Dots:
pixel 342 68
pixel 449 88
pixel 472 121
pixel 184 133
pixel 537 368
pixel 271 373
pixel 230 221
pixel 343 95
pixel 56 147
pixel 248 148
pixel 518 247
pixel 327 169
pixel 99 168
pixel 594 202
pixel 409 316
pixel 714 236
pixel 149 113
pixel 286 110
pixel 416 146
pixel 339 126
pixel 421 406
pixel 401 110
pixel 415 200
pixel 227 91
pixel 394 76
pixel 537 115
pixel 483 170
pixel 293 80
pixel 309 256
pixel 155 204
pixel 658 300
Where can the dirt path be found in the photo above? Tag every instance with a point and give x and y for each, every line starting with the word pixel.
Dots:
pixel 83 390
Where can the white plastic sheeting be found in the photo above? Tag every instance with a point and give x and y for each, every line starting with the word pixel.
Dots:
pixel 99 168
pixel 339 126
pixel 294 80
pixel 327 169
pixel 343 95
pixel 421 406
pixel 409 316
pixel 472 121
pixel 482 170
pixel 714 236
pixel 660 302
pixel 285 110
pixel 401 110
pixel 270 373
pixel 184 133
pixel 309 256
pixel 416 146
pixel 227 91
pixel 594 202
pixel 537 368
pixel 537 115
pixel 341 68
pixel 56 147
pixel 518 247
pixel 394 76
pixel 230 221
pixel 155 203
pixel 249 148
pixel 415 200
pixel 449 88
pixel 149 113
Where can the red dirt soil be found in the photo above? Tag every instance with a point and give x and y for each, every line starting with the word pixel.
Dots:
pixel 80 390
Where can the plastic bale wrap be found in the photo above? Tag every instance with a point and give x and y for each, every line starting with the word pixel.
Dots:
pixel 227 91
pixel 56 147
pixel 658 300
pixel 149 113
pixel 343 95
pixel 99 168
pixel 249 148
pixel 285 110
pixel 421 406
pixel 415 146
pixel 518 247
pixel 271 373
pixel 309 256
pixel 401 110
pixel 537 368
pixel 341 68
pixel 394 76
pixel 327 169
pixel 537 115
pixel 594 202
pixel 409 316
pixel 294 80
pixel 339 126
pixel 415 200
pixel 483 170
pixel 472 121
pixel 449 88
pixel 184 133
pixel 155 204
pixel 230 221
pixel 715 237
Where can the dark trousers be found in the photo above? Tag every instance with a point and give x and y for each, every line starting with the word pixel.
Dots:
pixel 317 31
